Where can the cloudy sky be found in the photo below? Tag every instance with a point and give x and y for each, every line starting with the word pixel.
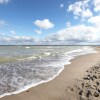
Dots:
pixel 45 22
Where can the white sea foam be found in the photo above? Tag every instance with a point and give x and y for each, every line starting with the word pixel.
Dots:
pixel 27 47
pixel 68 56
pixel 47 53
pixel 28 58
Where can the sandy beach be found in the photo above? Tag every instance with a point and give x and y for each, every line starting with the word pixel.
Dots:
pixel 63 87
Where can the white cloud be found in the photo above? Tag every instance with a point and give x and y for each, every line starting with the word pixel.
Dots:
pixel 81 9
pixel 96 23
pixel 87 13
pixel 75 8
pixel 44 24
pixel 74 35
pixel 61 5
pixel 4 1
pixel 68 24
pixel 13 32
pixel 95 20
pixel 97 5
pixel 18 40
pixel 2 23
pixel 38 31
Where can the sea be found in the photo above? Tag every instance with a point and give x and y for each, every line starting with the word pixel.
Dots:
pixel 23 67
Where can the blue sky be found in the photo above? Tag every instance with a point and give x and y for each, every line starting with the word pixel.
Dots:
pixel 49 22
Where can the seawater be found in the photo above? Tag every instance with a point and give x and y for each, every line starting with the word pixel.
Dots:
pixel 22 67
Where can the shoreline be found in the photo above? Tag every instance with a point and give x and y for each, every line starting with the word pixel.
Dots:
pixel 25 88
pixel 42 86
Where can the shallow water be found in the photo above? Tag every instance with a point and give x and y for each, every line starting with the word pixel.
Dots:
pixel 22 67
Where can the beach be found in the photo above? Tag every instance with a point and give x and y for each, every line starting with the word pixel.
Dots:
pixel 62 87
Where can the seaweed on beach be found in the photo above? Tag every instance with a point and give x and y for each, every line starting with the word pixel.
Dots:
pixel 89 87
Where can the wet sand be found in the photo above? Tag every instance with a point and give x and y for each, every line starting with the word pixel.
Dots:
pixel 64 86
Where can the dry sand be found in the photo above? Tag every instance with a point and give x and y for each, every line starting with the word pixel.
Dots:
pixel 63 86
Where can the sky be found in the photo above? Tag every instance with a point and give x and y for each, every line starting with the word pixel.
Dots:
pixel 49 22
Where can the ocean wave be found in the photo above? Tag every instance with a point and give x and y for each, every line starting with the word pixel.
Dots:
pixel 29 73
